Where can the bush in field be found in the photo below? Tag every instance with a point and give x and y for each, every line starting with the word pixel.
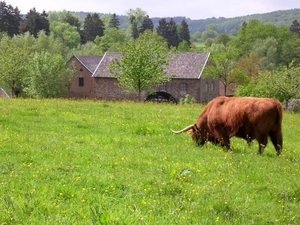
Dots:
pixel 282 83
pixel 187 100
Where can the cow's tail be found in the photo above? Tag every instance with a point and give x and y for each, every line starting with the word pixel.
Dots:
pixel 279 111
pixel 278 143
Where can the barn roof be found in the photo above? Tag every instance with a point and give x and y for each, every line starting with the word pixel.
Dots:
pixel 185 65
pixel 89 62
pixel 102 69
pixel 188 65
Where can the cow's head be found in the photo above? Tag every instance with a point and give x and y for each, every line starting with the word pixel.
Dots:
pixel 199 135
pixel 196 133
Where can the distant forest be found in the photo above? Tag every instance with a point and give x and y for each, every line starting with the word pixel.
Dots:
pixel 225 25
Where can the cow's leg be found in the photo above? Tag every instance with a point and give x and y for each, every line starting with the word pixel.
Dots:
pixel 224 141
pixel 276 138
pixel 262 141
pixel 249 140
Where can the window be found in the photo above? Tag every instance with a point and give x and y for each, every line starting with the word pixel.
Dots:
pixel 162 87
pixel 183 87
pixel 81 82
pixel 206 86
pixel 212 86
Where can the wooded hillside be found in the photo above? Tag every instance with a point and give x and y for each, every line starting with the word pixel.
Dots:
pixel 279 18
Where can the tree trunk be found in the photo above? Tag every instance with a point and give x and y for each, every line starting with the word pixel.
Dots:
pixel 139 95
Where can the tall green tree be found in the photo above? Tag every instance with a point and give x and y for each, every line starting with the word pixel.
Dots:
pixel 184 32
pixel 68 17
pixel 250 32
pixel 282 83
pixel 183 47
pixel 221 66
pixel 211 32
pixel 13 66
pixel 49 76
pixel 93 27
pixel 172 37
pixel 9 19
pixel 168 30
pixel 267 52
pixel 196 36
pixel 50 43
pixel 209 36
pixel 249 64
pixel 89 48
pixel 134 28
pixel 106 20
pixel 147 24
pixel 66 33
pixel 290 51
pixel 112 39
pixel 65 17
pixel 135 17
pixel 36 22
pixel 141 67
pixel 222 39
pixel 295 27
pixel 162 28
pixel 114 22
pixel 72 19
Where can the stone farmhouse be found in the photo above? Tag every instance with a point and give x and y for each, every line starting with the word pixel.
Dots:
pixel 92 79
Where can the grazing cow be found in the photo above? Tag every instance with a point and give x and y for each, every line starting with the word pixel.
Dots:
pixel 244 117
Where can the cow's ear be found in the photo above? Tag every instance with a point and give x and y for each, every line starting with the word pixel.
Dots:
pixel 196 130
pixel 195 127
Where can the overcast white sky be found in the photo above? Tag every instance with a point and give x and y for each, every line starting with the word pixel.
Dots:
pixel 194 9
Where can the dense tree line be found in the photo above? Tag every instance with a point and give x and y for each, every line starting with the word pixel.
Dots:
pixel 225 25
pixel 12 23
pixel 63 25
pixel 243 60
pixel 262 60
pixel 9 19
pixel 34 48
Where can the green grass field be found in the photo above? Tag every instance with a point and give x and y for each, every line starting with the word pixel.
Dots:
pixel 93 162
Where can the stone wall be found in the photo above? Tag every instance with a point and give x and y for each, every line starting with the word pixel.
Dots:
pixel 109 89
pixel 85 91
pixel 201 90
pixel 179 88
pixel 210 89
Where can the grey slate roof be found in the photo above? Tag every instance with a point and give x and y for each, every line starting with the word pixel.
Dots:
pixel 89 62
pixel 103 70
pixel 186 65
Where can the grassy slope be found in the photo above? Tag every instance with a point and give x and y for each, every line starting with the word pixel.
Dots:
pixel 83 162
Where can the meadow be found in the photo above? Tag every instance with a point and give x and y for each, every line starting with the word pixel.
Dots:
pixel 95 162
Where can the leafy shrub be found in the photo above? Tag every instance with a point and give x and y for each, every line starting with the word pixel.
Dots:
pixel 187 100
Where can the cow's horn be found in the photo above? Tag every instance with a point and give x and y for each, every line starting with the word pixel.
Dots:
pixel 183 130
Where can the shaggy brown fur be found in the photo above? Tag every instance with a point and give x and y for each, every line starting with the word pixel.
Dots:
pixel 244 117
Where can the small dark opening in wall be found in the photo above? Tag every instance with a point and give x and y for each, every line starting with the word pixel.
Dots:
pixel 81 69
pixel 81 82
pixel 161 96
